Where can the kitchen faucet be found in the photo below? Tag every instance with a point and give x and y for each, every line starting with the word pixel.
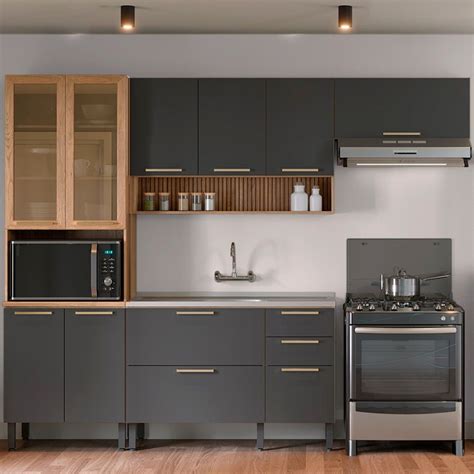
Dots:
pixel 219 277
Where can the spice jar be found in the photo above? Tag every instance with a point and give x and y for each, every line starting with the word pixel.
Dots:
pixel 164 201
pixel 183 201
pixel 149 201
pixel 196 201
pixel 209 201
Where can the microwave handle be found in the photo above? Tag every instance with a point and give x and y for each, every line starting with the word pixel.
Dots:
pixel 94 270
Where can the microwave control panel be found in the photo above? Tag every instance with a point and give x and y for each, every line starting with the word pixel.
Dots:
pixel 109 285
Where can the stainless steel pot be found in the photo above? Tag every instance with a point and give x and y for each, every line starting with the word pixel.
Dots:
pixel 404 286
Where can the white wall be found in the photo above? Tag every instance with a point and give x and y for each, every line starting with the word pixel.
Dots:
pixel 289 253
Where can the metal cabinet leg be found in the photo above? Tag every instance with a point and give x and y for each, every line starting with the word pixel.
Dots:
pixel 132 436
pixel 141 431
pixel 122 435
pixel 458 447
pixel 11 436
pixel 25 431
pixel 329 436
pixel 351 447
pixel 260 436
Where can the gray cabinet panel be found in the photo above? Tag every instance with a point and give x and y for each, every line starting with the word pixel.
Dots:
pixel 437 108
pixel 231 125
pixel 95 365
pixel 165 337
pixel 34 365
pixel 300 125
pixel 160 394
pixel 163 126
pixel 300 351
pixel 299 397
pixel 300 322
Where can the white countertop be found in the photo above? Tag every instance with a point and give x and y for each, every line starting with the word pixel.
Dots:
pixel 233 300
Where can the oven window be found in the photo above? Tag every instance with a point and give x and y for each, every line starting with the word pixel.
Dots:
pixel 407 367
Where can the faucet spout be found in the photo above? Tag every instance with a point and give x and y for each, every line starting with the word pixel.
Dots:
pixel 219 277
pixel 234 260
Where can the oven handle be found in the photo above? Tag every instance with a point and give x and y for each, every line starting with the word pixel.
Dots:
pixel 442 330
pixel 94 270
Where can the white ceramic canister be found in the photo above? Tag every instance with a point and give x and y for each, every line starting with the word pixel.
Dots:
pixel 315 200
pixel 299 199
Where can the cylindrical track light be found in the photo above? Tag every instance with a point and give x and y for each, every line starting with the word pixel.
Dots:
pixel 127 17
pixel 345 17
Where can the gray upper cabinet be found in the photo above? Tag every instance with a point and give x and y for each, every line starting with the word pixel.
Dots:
pixel 300 126
pixel 231 126
pixel 163 127
pixel 34 365
pixel 436 108
pixel 95 365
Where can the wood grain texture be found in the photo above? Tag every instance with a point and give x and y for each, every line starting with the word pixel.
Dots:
pixel 217 457
pixel 240 194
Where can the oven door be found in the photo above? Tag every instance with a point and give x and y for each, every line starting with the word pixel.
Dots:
pixel 405 363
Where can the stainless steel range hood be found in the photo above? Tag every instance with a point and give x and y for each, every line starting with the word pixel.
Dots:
pixel 437 152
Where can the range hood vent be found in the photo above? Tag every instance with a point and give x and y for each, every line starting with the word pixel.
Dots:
pixel 378 152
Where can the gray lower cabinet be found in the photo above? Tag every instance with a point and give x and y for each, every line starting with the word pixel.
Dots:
pixel 95 365
pixel 34 365
pixel 300 322
pixel 190 394
pixel 300 351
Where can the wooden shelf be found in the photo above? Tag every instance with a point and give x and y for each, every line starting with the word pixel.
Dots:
pixel 234 194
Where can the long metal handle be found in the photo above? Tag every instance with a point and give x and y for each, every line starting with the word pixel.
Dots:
pixel 435 277
pixel 299 369
pixel 300 313
pixel 163 170
pixel 299 341
pixel 33 313
pixel 300 170
pixel 195 313
pixel 94 270
pixel 441 330
pixel 195 371
pixel 94 313
pixel 232 170
pixel 401 134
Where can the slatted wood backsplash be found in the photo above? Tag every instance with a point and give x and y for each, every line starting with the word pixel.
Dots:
pixel 238 194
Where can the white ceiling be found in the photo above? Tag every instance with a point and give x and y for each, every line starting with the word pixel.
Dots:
pixel 237 16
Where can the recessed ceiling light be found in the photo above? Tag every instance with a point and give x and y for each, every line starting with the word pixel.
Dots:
pixel 345 17
pixel 127 17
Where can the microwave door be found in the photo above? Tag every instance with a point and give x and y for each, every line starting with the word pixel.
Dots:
pixel 54 271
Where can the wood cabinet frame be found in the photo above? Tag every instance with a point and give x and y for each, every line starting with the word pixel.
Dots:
pixel 10 221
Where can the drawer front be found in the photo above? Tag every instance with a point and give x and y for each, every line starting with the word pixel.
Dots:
pixel 296 395
pixel 187 336
pixel 300 322
pixel 212 395
pixel 302 350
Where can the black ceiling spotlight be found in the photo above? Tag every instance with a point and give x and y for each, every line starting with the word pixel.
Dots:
pixel 127 17
pixel 345 17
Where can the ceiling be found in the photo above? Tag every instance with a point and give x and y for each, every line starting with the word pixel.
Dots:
pixel 237 16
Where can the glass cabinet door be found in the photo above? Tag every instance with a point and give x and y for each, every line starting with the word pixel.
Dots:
pixel 96 151
pixel 35 151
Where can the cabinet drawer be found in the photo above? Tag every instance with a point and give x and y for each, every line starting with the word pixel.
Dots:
pixel 300 322
pixel 296 395
pixel 200 336
pixel 302 350
pixel 213 394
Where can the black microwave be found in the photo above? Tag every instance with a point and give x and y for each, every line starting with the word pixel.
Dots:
pixel 65 270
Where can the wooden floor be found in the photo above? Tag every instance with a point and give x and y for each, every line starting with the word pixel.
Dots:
pixel 229 457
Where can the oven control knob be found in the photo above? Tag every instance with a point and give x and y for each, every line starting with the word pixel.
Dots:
pixel 108 281
pixel 443 318
pixel 394 307
pixel 359 307
pixel 371 307
pixel 438 307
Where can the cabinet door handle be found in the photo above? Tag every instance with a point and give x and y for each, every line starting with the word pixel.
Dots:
pixel 401 134
pixel 195 371
pixel 300 170
pixel 300 313
pixel 299 369
pixel 232 170
pixel 195 313
pixel 94 313
pixel 33 313
pixel 163 170
pixel 299 341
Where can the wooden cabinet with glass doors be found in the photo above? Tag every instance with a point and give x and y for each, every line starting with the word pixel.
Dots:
pixel 66 152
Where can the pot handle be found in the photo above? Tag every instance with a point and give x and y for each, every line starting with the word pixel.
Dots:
pixel 435 277
pixel 382 281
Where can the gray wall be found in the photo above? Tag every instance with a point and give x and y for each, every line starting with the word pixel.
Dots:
pixel 290 253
